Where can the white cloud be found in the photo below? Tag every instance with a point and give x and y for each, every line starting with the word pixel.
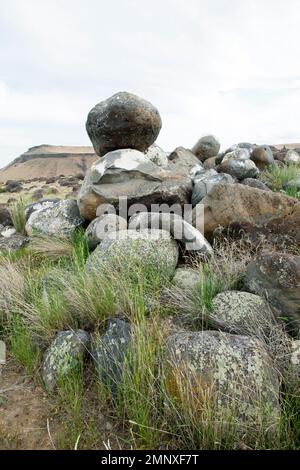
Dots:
pixel 219 66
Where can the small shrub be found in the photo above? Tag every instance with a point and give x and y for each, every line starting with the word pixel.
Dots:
pixel 17 212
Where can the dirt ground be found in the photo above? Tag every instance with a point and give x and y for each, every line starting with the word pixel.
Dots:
pixel 23 411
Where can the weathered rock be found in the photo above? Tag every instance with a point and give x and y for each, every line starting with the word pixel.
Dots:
pixel 60 220
pixel 238 153
pixel 292 157
pixel 251 210
pixel 110 352
pixel 206 147
pixel 5 217
pixel 204 183
pixel 180 229
pixel 276 276
pixel 262 156
pixel 186 278
pixel 183 161
pixel 153 249
pixel 13 242
pixel 37 206
pixel 239 169
pixel 241 313
pixel 232 375
pixel 101 226
pixel 156 155
pixel 128 173
pixel 210 163
pixel 7 232
pixel 65 356
pixel 254 183
pixel 123 121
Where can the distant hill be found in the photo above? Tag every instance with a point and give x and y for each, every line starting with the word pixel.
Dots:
pixel 45 161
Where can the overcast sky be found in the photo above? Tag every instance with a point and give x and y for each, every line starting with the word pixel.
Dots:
pixel 227 67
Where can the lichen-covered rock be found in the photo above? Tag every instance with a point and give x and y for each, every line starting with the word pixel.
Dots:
pixel 154 249
pixel 238 153
pixel 190 238
pixel 186 278
pixel 206 147
pixel 13 242
pixel 239 169
pixel 37 206
pixel 241 312
pixel 129 174
pixel 59 220
pixel 101 226
pixel 276 276
pixel 64 356
pixel 231 375
pixel 109 353
pixel 156 155
pixel 205 181
pixel 262 156
pixel 123 121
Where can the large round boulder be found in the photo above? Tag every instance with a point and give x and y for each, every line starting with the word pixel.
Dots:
pixel 101 226
pixel 262 156
pixel 128 249
pixel 123 121
pixel 238 168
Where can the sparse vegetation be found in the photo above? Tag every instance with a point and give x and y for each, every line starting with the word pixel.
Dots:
pixel 279 176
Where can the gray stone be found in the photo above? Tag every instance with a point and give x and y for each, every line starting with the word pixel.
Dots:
pixel 123 121
pixel 205 182
pixel 262 156
pixel 206 147
pixel 156 155
pixel 64 356
pixel 183 161
pixel 153 249
pixel 101 226
pixel 128 173
pixel 110 352
pixel 5 217
pixel 239 169
pixel 37 206
pixel 292 157
pixel 60 220
pixel 7 232
pixel 234 371
pixel 13 243
pixel 276 276
pixel 191 238
pixel 186 278
pixel 241 312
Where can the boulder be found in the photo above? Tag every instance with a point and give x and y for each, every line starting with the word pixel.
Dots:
pixel 210 163
pixel 129 174
pixel 123 121
pixel 205 181
pixel 180 229
pixel 230 376
pixel 101 226
pixel 186 278
pixel 183 161
pixel 238 153
pixel 241 313
pixel 5 217
pixel 7 232
pixel 262 156
pixel 37 206
pixel 251 210
pixel 13 242
pixel 60 220
pixel 206 147
pixel 292 157
pixel 276 276
pixel 254 183
pixel 64 356
pixel 152 249
pixel 156 155
pixel 239 169
pixel 109 353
